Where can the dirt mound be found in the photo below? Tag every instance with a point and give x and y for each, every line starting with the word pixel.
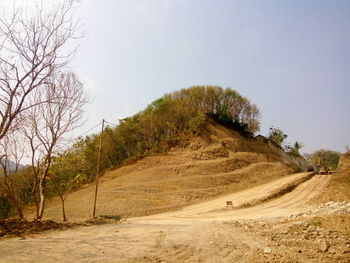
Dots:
pixel 15 227
pixel 212 162
pixel 344 162
pixel 286 229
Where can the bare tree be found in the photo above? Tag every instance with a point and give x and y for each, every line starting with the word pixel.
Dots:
pixel 31 48
pixel 49 124
pixel 12 149
pixel 35 153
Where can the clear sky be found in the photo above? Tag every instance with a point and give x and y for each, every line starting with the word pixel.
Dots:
pixel 290 58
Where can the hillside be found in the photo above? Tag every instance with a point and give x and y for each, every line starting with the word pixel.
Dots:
pixel 272 219
pixel 212 162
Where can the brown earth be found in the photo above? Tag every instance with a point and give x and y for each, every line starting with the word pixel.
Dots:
pixel 212 163
pixel 274 217
pixel 284 229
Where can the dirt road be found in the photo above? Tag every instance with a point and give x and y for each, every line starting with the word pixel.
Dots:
pixel 292 202
pixel 205 232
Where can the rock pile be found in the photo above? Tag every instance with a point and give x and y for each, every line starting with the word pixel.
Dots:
pixel 339 208
pixel 312 236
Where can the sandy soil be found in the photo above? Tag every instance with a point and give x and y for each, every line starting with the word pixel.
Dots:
pixel 274 231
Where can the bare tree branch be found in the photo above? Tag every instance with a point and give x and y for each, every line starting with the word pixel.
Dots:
pixel 48 124
pixel 31 48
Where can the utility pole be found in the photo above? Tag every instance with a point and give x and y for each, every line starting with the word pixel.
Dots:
pixel 98 169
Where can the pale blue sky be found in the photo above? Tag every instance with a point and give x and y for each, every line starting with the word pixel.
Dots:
pixel 290 58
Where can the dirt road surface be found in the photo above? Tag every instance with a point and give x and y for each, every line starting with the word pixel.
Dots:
pixel 205 232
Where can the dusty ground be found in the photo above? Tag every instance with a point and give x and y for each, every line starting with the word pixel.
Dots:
pixel 274 217
pixel 284 229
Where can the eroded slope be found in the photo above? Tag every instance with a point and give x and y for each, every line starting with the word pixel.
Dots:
pixel 214 162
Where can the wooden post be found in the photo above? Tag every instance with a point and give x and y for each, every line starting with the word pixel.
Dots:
pixel 98 169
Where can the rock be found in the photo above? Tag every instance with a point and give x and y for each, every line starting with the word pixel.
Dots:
pixel 267 250
pixel 324 245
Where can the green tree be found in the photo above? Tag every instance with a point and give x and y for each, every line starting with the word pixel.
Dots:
pixel 325 158
pixel 276 135
pixel 65 176
pixel 207 99
pixel 295 148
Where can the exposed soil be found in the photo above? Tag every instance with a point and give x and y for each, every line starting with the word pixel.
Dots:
pixel 276 216
pixel 213 163
pixel 285 229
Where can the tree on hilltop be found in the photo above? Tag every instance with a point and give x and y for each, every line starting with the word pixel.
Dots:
pixel 276 135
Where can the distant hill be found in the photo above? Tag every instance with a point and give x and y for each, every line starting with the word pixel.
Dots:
pixel 12 167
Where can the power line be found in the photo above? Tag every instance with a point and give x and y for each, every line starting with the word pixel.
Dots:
pixel 69 142
pixel 97 125
pixel 112 124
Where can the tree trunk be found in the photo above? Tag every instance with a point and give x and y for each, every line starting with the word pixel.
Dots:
pixel 34 194
pixel 36 204
pixel 42 197
pixel 19 210
pixel 63 210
